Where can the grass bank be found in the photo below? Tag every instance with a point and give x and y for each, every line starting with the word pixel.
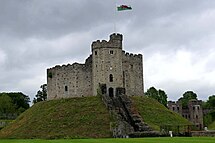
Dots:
pixel 85 117
pixel 155 114
pixel 130 140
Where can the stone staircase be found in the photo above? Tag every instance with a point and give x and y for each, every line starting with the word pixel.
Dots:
pixel 129 122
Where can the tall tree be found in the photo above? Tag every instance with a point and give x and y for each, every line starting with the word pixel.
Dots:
pixel 159 95
pixel 188 95
pixel 41 94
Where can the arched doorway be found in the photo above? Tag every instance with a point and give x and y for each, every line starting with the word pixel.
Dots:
pixel 110 91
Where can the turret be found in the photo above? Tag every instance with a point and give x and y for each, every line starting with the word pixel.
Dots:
pixel 115 41
pixel 107 64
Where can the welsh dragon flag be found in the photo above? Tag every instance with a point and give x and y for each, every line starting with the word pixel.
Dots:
pixel 123 7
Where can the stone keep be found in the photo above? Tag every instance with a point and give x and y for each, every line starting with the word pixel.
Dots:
pixel 108 65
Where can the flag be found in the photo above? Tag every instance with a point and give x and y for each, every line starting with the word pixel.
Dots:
pixel 123 7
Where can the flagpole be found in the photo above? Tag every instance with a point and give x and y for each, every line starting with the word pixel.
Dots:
pixel 115 7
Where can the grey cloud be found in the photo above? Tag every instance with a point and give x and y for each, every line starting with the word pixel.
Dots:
pixel 38 34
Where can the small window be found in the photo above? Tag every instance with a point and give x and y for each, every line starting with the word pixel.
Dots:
pixel 66 88
pixel 111 52
pixel 111 78
pixel 95 52
pixel 173 108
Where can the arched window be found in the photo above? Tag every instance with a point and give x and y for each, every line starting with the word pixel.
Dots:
pixel 110 90
pixel 66 88
pixel 111 78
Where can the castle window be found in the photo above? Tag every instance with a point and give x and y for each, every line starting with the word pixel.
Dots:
pixel 111 52
pixel 95 52
pixel 173 108
pixel 66 88
pixel 196 116
pixel 111 78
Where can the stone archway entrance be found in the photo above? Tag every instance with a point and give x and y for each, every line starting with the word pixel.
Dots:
pixel 110 91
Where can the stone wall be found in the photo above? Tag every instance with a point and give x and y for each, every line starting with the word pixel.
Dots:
pixel 70 80
pixel 132 74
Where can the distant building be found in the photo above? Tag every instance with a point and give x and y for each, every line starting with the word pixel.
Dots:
pixel 193 113
pixel 108 67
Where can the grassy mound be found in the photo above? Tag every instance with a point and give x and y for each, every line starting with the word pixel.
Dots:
pixel 85 117
pixel 155 114
pixel 73 118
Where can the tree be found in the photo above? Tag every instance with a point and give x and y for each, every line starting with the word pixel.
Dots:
pixel 6 104
pixel 20 100
pixel 211 101
pixel 187 96
pixel 162 97
pixel 41 94
pixel 159 95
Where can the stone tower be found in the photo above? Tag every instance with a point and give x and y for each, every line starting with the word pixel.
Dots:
pixel 107 64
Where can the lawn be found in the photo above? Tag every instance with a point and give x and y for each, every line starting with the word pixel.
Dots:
pixel 130 140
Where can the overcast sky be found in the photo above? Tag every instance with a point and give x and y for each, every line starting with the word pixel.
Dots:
pixel 176 37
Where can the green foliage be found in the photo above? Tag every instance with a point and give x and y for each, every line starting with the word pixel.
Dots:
pixel 85 117
pixel 12 104
pixel 210 103
pixel 155 114
pixel 158 95
pixel 119 140
pixel 212 126
pixel 19 100
pixel 188 95
pixel 41 94
pixel 6 105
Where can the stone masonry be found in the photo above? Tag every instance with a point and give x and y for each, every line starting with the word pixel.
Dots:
pixel 107 65
pixel 193 113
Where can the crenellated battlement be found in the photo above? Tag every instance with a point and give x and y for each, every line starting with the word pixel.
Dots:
pixel 131 56
pixel 115 41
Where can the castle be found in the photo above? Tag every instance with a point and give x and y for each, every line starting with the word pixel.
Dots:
pixel 108 67
pixel 194 112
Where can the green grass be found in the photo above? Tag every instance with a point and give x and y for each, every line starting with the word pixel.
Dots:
pixel 85 117
pixel 155 114
pixel 130 140
pixel 212 126
pixel 64 118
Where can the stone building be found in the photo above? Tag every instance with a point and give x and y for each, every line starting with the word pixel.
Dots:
pixel 193 113
pixel 107 66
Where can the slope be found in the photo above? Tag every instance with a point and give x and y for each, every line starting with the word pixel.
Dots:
pixel 155 114
pixel 85 117
pixel 212 126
